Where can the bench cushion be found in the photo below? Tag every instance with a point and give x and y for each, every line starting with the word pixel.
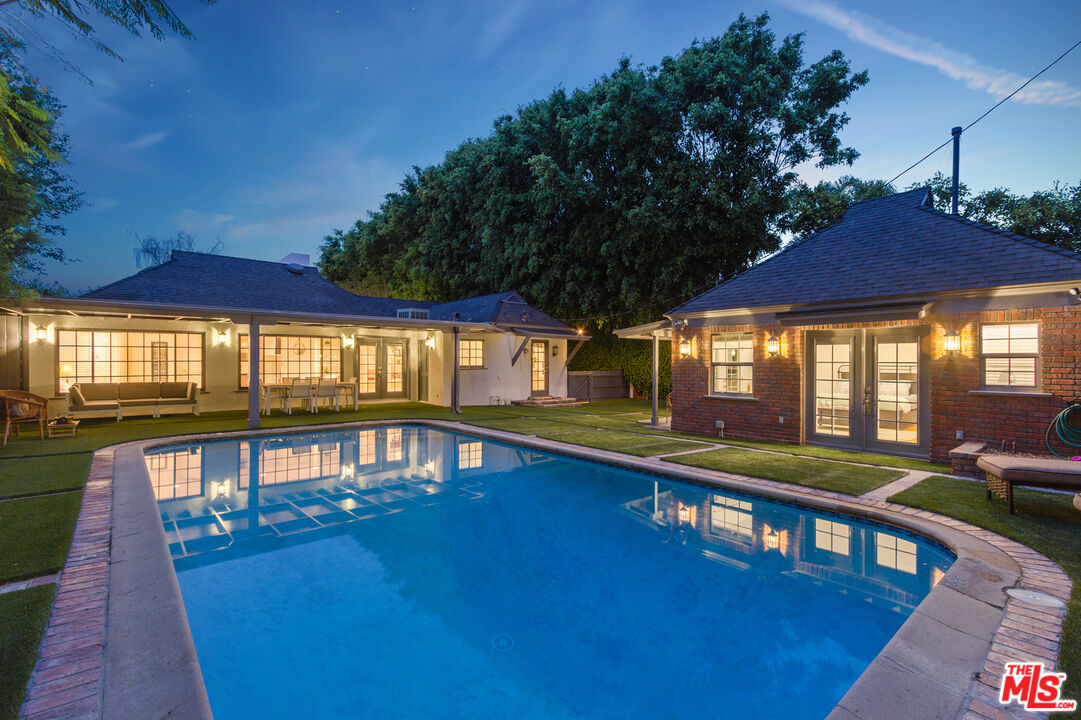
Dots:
pixel 1042 471
pixel 175 390
pixel 99 391
pixel 139 390
pixel 98 405
pixel 167 401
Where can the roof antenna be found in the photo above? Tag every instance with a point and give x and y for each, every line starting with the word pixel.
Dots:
pixel 956 165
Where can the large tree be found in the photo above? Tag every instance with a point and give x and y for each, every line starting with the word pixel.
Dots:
pixel 34 192
pixel 624 197
pixel 1053 216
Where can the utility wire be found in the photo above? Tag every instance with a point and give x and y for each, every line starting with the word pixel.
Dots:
pixel 990 110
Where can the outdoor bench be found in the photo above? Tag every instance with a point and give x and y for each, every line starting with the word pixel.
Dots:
pixel 1006 471
pixel 131 397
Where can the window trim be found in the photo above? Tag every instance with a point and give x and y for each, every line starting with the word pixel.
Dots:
pixel 712 390
pixel 1037 387
pixel 56 351
pixel 461 355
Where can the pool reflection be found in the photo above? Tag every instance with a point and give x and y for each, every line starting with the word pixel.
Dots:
pixel 215 495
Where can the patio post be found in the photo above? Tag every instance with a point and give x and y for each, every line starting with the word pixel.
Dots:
pixel 656 362
pixel 253 373
pixel 455 404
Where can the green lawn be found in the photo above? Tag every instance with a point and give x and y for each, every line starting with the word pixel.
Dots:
pixel 22 476
pixel 640 445
pixel 1046 522
pixel 823 474
pixel 35 534
pixel 23 616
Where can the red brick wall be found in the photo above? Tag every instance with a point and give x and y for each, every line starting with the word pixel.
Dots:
pixel 778 383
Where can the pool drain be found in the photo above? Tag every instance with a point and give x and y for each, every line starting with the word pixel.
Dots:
pixel 1035 597
pixel 502 643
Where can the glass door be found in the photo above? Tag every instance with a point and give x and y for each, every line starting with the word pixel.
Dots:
pixel 896 417
pixel 539 352
pixel 394 375
pixel 367 368
pixel 381 368
pixel 833 373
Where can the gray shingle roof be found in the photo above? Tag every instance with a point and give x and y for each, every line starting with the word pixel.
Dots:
pixel 199 279
pixel 893 246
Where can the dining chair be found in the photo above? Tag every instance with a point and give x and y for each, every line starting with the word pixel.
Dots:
pixel 301 389
pixel 326 390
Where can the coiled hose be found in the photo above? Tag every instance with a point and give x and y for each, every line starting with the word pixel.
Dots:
pixel 1068 432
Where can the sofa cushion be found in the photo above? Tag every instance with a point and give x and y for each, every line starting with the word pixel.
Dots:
pixel 99 391
pixel 76 395
pixel 140 402
pixel 176 390
pixel 165 401
pixel 1042 471
pixel 139 390
pixel 100 405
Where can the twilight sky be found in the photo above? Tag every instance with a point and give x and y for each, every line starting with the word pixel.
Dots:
pixel 282 121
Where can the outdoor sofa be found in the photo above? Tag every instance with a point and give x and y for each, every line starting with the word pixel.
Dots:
pixel 131 398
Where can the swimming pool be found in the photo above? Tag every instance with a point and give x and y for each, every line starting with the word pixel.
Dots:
pixel 408 571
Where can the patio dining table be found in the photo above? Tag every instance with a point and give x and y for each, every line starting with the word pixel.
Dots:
pixel 282 389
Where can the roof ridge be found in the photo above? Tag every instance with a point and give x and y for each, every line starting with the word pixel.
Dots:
pixel 1038 244
pixel 892 196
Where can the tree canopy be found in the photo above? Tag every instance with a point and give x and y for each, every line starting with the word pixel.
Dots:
pixel 150 250
pixel 1052 216
pixel 637 191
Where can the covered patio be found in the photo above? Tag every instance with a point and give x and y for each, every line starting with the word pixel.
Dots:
pixel 654 332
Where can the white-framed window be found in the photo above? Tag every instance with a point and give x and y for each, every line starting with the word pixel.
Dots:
pixel 120 356
pixel 1010 355
pixel 470 353
pixel 283 357
pixel 895 553
pixel 732 363
pixel 470 455
pixel 731 516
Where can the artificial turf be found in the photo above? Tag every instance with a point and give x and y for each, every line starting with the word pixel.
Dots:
pixel 22 476
pixel 1046 522
pixel 35 534
pixel 23 616
pixel 810 472
pixel 623 442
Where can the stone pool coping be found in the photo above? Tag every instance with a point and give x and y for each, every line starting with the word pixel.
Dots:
pixel 118 643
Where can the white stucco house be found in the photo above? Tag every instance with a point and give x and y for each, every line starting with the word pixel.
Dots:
pixel 192 318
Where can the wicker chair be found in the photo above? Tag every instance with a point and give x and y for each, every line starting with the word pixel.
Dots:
pixel 23 407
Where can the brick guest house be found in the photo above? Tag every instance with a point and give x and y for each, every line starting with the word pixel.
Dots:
pixel 900 329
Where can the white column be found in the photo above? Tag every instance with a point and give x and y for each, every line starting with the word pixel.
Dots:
pixel 656 384
pixel 253 374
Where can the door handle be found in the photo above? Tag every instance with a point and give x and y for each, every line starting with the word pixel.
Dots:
pixel 867 400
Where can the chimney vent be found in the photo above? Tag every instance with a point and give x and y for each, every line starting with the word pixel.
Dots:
pixel 956 166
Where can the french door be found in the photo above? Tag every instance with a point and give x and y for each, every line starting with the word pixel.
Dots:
pixel 539 373
pixel 381 368
pixel 867 390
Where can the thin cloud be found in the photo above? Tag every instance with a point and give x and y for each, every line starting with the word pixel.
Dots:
pixel 956 65
pixel 148 140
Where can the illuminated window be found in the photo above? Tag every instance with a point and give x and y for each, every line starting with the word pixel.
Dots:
pixel 1010 355
pixel 282 465
pixel 731 516
pixel 893 552
pixel 833 376
pixel 394 444
pixel 470 353
pixel 175 475
pixel 833 536
pixel 470 455
pixel 110 357
pixel 732 355
pixel 284 357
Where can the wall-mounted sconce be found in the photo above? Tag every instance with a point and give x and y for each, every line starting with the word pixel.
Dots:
pixel 429 342
pixel 42 333
pixel 555 350
pixel 581 331
pixel 221 488
pixel 347 471
pixel 773 346
pixel 952 342
pixel 221 337
pixel 684 348
pixel 1074 291
pixel 347 341
pixel 429 467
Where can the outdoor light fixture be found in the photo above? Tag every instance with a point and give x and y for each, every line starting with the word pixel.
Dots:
pixel 42 333
pixel 555 351
pixel 582 331
pixel 773 346
pixel 221 337
pixel 772 539
pixel 684 348
pixel 684 513
pixel 429 342
pixel 1074 291
pixel 953 342
pixel 347 341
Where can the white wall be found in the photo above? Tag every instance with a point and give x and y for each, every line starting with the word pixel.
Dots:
pixel 498 376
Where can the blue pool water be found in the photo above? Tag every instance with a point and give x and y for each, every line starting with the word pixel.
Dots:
pixel 409 572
